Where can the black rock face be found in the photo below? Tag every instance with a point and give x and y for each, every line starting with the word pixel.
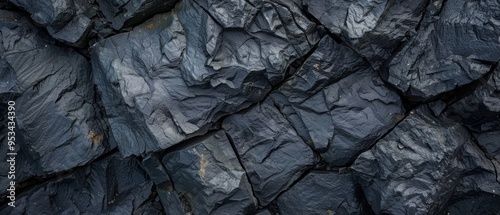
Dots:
pixel 308 195
pixel 251 107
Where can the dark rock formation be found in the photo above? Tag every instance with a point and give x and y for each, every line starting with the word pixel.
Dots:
pixel 211 178
pixel 445 53
pixel 184 72
pixel 420 163
pixel 340 102
pixel 308 195
pixel 132 12
pixel 373 28
pixel 254 107
pixel 272 153
pixel 59 123
pixel 109 186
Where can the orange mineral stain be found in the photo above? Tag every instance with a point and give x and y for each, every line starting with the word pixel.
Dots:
pixel 94 137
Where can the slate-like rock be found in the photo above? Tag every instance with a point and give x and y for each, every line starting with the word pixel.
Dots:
pixel 175 75
pixel 109 186
pixel 65 20
pixel 481 105
pixel 322 193
pixel 9 88
pixel 210 177
pixel 132 12
pixel 373 28
pixel 271 152
pixel 480 112
pixel 340 102
pixel 59 123
pixel 453 48
pixel 419 166
pixel 169 199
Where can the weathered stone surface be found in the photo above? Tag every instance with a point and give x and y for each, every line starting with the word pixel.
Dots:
pixel 251 106
pixel 444 54
pixel 481 105
pixel 132 12
pixel 271 152
pixel 58 123
pixel 210 177
pixel 340 101
pixel 322 193
pixel 373 28
pixel 65 20
pixel 180 72
pixel 109 186
pixel 422 164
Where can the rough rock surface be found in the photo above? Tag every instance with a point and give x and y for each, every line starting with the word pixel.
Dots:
pixel 271 152
pixel 109 186
pixel 444 55
pixel 419 164
pixel 65 20
pixel 340 101
pixel 127 13
pixel 252 107
pixel 308 195
pixel 174 82
pixel 61 125
pixel 373 28
pixel 211 178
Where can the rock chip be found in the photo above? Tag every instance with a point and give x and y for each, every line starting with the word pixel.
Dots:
pixel 210 177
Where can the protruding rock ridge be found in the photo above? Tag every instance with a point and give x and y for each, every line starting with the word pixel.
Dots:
pixel 340 102
pixel 175 75
pixel 445 55
pixel 59 124
pixel 422 164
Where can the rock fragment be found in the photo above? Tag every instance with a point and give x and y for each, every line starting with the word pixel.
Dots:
pixel 109 186
pixel 175 75
pixel 132 12
pixel 373 28
pixel 421 165
pixel 58 121
pixel 210 177
pixel 444 54
pixel 340 102
pixel 271 152
pixel 322 193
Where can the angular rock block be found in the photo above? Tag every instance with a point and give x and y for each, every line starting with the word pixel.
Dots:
pixel 480 111
pixel 271 152
pixel 60 125
pixel 175 75
pixel 481 105
pixel 322 193
pixel 109 186
pixel 445 55
pixel 132 12
pixel 340 103
pixel 65 20
pixel 422 165
pixel 374 28
pixel 208 174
